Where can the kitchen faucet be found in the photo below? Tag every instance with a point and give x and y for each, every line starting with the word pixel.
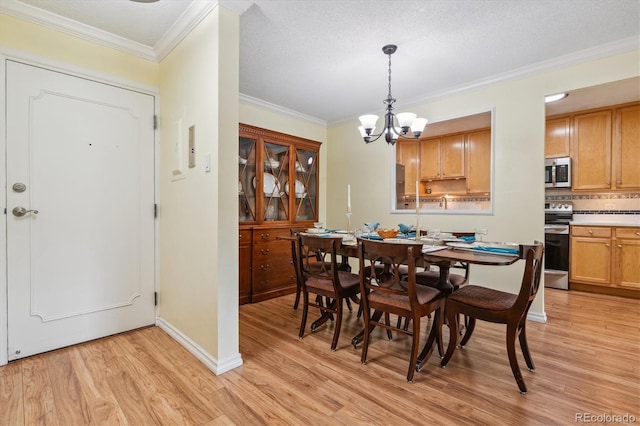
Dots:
pixel 443 202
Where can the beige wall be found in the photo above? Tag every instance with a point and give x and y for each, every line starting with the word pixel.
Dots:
pixel 38 40
pixel 518 161
pixel 198 214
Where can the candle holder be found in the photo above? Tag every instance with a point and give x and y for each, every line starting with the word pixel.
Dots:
pixel 349 222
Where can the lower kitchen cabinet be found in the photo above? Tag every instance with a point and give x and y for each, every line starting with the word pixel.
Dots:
pixel 605 260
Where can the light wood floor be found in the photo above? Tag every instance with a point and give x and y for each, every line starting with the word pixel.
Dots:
pixel 587 361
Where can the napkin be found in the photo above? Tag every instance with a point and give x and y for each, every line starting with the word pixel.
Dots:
pixel 373 237
pixel 467 238
pixel 497 250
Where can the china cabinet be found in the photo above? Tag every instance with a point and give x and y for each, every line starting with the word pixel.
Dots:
pixel 277 190
pixel 605 260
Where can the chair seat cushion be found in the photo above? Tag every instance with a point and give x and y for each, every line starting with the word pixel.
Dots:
pixel 347 281
pixel 424 294
pixel 430 278
pixel 484 298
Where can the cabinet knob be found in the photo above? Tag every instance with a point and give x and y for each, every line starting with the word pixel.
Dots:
pixel 591 232
pixel 264 236
pixel 609 183
pixel 619 245
pixel 638 234
pixel 264 251
pixel 607 245
pixel 264 267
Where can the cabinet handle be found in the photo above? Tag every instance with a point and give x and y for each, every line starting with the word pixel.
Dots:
pixel 264 236
pixel 264 267
pixel 264 251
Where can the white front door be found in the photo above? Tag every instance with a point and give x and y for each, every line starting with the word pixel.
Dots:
pixel 81 153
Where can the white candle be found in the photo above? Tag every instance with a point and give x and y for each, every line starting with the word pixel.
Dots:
pixel 349 198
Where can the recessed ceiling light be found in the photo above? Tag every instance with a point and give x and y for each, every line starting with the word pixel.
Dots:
pixel 554 98
pixel 144 1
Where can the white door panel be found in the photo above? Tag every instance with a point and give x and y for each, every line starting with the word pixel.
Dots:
pixel 83 266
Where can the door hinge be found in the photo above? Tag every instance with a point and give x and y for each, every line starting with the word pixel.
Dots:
pixel 155 122
pixel 155 298
pixel 155 211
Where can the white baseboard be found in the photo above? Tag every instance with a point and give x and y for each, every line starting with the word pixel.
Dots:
pixel 537 316
pixel 217 366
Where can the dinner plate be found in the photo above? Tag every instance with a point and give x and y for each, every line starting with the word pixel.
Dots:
pixel 299 189
pixel 270 184
pixel 316 231
pixel 461 245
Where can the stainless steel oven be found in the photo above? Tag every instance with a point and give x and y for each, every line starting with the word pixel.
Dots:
pixel 557 217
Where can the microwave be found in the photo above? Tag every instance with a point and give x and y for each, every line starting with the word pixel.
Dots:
pixel 557 172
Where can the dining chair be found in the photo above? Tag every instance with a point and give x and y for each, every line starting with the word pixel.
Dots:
pixel 320 275
pixel 484 303
pixel 389 293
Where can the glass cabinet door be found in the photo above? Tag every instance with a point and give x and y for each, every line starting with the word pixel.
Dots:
pixel 247 180
pixel 276 181
pixel 306 191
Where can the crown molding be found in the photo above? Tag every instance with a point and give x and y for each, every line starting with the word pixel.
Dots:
pixel 69 26
pixel 281 110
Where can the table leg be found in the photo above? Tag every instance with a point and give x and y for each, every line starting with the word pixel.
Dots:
pixel 444 285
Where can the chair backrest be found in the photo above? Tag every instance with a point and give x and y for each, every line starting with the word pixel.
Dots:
pixel 392 255
pixel 317 257
pixel 532 254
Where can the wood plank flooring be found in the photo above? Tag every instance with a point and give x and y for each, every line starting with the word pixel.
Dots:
pixel 587 361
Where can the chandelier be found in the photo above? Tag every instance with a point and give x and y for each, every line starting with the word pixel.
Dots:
pixel 393 129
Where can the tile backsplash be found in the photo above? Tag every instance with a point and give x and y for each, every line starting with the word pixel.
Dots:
pixel 602 203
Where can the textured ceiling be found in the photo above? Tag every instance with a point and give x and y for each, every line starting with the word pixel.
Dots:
pixel 323 58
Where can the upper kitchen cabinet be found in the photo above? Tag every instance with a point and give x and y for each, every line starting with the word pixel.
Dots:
pixel 605 148
pixel 479 162
pixel 407 156
pixel 442 158
pixel 277 177
pixel 557 137
pixel 626 148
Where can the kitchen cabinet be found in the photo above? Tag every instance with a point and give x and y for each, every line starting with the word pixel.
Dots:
pixel 626 148
pixel 407 155
pixel 557 137
pixel 605 148
pixel 478 162
pixel 605 259
pixel 278 179
pixel 442 158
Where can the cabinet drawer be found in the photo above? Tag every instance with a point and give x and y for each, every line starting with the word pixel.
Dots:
pixel 277 251
pixel 272 276
pixel 590 231
pixel 245 237
pixel 632 233
pixel 270 235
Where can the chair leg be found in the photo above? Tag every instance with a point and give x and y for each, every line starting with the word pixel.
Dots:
pixel 512 332
pixel 367 333
pixel 305 311
pixel 337 303
pixel 298 291
pixel 453 335
pixel 435 335
pixel 349 305
pixel 525 348
pixel 387 321
pixel 414 348
pixel 471 325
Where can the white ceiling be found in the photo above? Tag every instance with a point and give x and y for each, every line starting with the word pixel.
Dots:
pixel 323 58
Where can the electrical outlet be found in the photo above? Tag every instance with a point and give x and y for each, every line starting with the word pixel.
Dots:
pixel 609 206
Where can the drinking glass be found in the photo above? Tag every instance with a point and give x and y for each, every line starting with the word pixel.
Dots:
pixel 480 232
pixel 433 234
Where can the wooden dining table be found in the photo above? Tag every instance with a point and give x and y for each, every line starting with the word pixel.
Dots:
pixel 444 259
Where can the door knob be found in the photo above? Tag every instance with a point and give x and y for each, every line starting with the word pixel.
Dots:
pixel 21 211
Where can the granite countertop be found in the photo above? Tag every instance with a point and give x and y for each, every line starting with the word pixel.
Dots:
pixel 606 220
